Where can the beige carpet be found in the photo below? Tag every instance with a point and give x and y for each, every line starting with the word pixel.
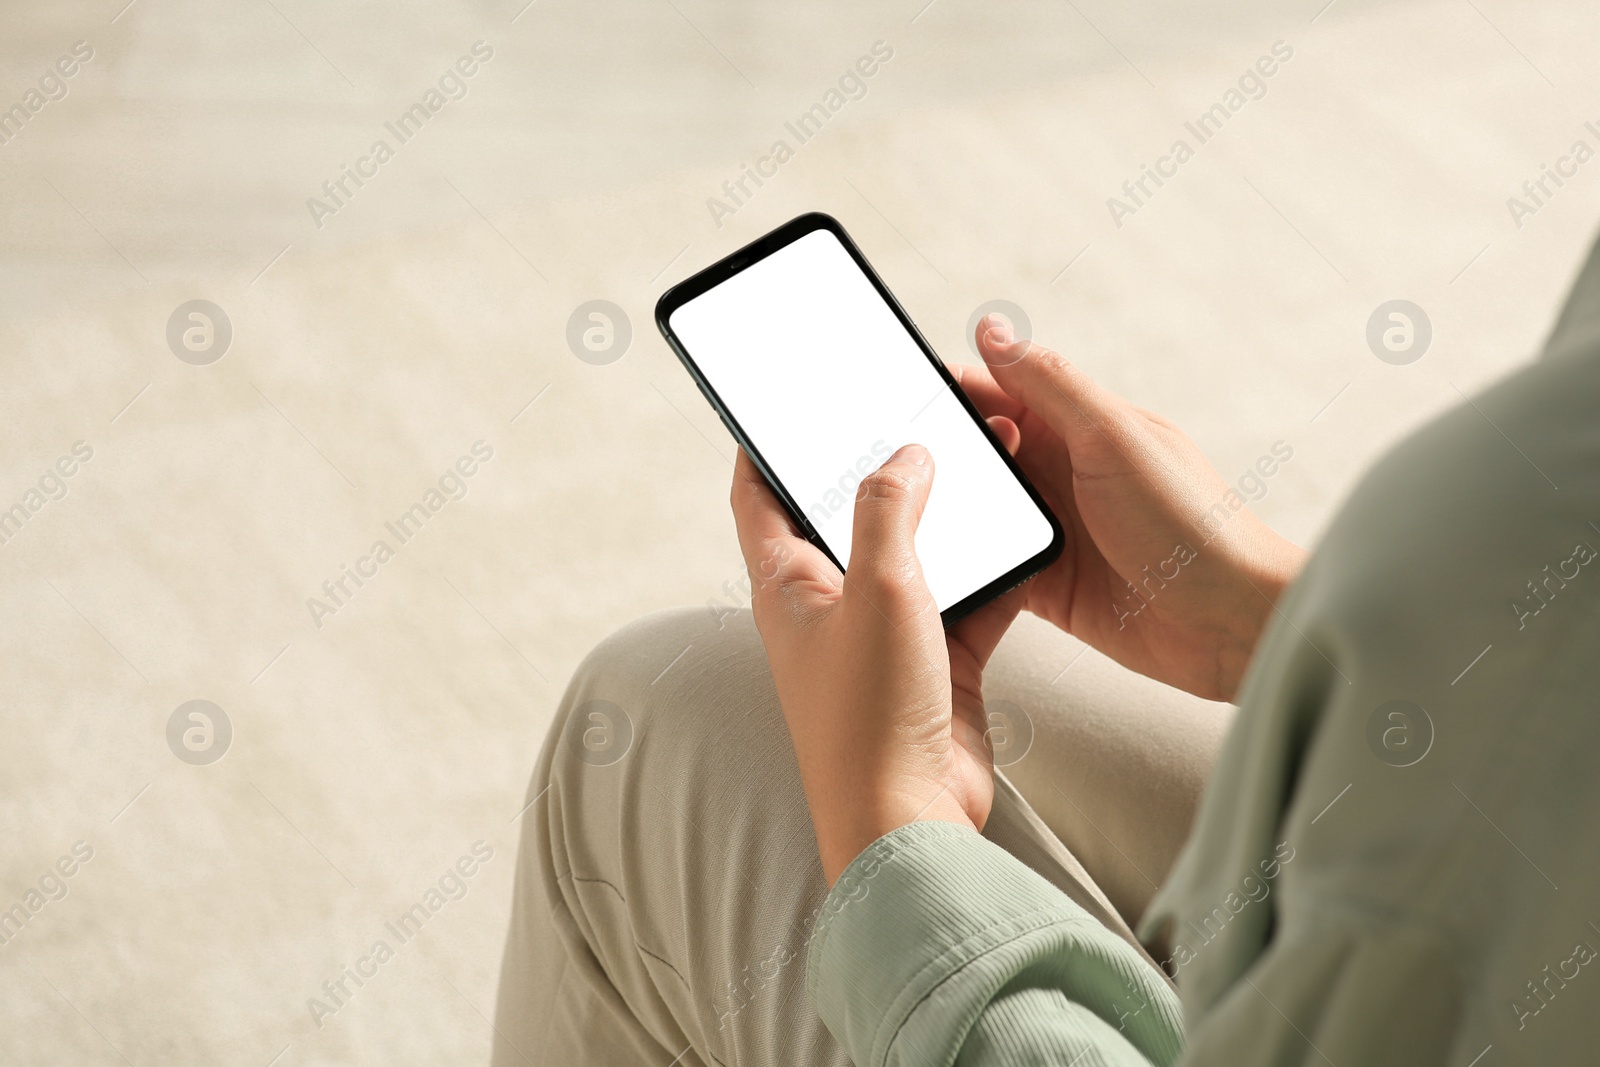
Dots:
pixel 375 741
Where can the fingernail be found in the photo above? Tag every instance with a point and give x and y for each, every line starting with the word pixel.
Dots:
pixel 915 455
pixel 999 333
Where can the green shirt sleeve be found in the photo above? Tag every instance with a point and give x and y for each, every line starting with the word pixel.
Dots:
pixel 1392 858
pixel 938 947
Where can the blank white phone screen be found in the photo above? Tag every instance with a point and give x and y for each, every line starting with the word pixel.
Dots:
pixel 815 367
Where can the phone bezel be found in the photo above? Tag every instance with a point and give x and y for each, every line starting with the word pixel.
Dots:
pixel 753 253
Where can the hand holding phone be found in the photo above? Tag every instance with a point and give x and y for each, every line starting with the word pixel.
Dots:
pixel 885 710
pixel 884 704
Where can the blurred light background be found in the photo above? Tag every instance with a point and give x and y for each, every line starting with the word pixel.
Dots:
pixel 374 745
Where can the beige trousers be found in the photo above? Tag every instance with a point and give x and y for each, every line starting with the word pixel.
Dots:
pixel 668 879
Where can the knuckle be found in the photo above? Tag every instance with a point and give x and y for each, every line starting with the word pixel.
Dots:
pixel 887 484
pixel 1049 360
pixel 769 566
pixel 887 584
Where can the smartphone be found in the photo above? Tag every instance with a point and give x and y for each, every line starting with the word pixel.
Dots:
pixel 820 375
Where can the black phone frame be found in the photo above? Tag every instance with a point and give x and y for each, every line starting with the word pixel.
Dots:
pixel 753 253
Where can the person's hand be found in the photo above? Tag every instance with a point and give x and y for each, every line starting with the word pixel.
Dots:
pixel 885 707
pixel 1152 574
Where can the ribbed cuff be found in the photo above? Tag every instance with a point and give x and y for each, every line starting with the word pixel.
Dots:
pixel 928 925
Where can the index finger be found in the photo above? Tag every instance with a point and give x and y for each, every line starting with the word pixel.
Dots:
pixel 985 393
pixel 773 549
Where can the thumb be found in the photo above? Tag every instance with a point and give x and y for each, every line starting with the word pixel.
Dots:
pixel 1097 425
pixel 883 560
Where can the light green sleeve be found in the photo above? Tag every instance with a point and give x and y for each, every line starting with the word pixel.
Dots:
pixel 938 947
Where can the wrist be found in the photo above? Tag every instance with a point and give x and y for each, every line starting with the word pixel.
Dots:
pixel 1268 573
pixel 848 825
